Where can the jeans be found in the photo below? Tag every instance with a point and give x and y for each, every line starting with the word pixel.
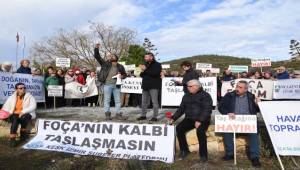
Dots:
pixel 146 95
pixel 108 90
pixel 253 142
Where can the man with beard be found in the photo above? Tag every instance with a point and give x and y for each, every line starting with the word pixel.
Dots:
pixel 151 83
pixel 109 70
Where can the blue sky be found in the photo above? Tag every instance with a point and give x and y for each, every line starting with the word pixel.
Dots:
pixel 179 28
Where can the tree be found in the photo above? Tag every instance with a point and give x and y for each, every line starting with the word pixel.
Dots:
pixel 79 45
pixel 149 47
pixel 294 49
pixel 136 55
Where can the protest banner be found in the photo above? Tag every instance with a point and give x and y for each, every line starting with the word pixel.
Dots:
pixel 261 62
pixel 165 66
pixel 132 85
pixel 171 94
pixel 33 84
pixel 241 124
pixel 76 90
pixel 282 119
pixel 258 87
pixel 137 71
pixel 130 67
pixel 63 62
pixel 287 89
pixel 122 62
pixel 106 139
pixel 54 90
pixel 200 66
pixel 209 84
pixel 238 68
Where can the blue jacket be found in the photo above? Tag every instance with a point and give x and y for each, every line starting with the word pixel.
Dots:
pixel 284 75
pixel 24 70
pixel 227 104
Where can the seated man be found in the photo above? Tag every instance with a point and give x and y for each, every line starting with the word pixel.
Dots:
pixel 21 105
pixel 240 102
pixel 197 107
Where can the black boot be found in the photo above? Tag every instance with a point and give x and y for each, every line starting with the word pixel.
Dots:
pixel 108 115
pixel 23 136
pixel 12 142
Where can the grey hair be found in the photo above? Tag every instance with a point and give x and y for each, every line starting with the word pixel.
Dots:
pixel 194 82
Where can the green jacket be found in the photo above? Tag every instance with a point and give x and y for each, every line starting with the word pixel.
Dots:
pixel 51 81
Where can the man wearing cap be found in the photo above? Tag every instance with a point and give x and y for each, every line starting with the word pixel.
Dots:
pixel 21 105
pixel 110 71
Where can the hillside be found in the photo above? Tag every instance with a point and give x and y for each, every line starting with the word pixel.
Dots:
pixel 219 61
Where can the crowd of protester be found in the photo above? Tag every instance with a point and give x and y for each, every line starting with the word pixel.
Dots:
pixel 196 104
pixel 53 76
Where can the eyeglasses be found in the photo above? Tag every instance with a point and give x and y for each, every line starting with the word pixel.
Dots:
pixel 21 88
pixel 191 86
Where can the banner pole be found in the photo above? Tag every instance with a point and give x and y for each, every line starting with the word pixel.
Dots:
pixel 54 103
pixel 234 147
pixel 280 162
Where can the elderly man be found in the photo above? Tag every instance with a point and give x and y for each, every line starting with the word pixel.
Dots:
pixel 21 105
pixel 6 67
pixel 197 107
pixel 110 71
pixel 240 102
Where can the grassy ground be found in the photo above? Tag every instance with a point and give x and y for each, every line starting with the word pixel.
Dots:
pixel 18 158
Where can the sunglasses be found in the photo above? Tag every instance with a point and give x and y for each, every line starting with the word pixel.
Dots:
pixel 21 88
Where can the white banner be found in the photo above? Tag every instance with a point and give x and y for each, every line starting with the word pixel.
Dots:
pixel 241 124
pixel 54 90
pixel 282 119
pixel 63 62
pixel 34 85
pixel 129 67
pixel 76 90
pixel 106 139
pixel 200 66
pixel 209 84
pixel 132 85
pixel 261 62
pixel 287 89
pixel 238 68
pixel 171 94
pixel 258 87
pixel 165 66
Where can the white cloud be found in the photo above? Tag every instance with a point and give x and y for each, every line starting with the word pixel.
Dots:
pixel 241 28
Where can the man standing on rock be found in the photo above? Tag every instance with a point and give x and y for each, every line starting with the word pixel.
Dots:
pixel 240 102
pixel 110 71
pixel 197 107
pixel 151 83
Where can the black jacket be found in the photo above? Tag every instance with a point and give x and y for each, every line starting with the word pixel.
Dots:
pixel 227 104
pixel 151 76
pixel 189 75
pixel 195 106
pixel 105 67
